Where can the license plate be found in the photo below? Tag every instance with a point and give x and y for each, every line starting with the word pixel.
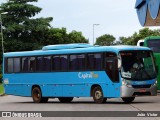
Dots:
pixel 142 90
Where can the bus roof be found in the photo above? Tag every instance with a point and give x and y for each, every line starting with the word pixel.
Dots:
pixel 152 37
pixel 74 48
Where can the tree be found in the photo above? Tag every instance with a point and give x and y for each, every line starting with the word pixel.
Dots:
pixel 56 36
pixel 143 33
pixel 22 31
pixel 60 36
pixel 76 37
pixel 105 40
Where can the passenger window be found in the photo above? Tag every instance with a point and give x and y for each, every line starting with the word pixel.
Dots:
pixel 39 66
pixel 47 63
pixel 64 62
pixel 43 63
pixel 32 64
pixel 60 63
pixel 25 64
pixel 81 61
pixel 10 65
pixel 94 61
pixel 17 65
pixel 56 63
pixel 77 62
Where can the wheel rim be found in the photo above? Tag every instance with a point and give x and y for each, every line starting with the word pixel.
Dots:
pixel 98 95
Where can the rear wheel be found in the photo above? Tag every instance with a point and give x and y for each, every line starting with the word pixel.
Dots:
pixel 65 99
pixel 98 95
pixel 37 96
pixel 128 99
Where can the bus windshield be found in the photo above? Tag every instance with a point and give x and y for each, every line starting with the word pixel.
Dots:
pixel 154 45
pixel 137 65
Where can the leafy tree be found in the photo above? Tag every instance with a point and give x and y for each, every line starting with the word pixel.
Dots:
pixel 143 33
pixel 55 36
pixel 60 36
pixel 21 30
pixel 105 40
pixel 76 37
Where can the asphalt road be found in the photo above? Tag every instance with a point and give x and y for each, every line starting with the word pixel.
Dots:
pixel 16 103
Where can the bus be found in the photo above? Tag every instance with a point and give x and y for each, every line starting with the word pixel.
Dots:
pixel 153 42
pixel 80 70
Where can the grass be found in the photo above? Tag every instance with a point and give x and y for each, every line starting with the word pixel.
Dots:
pixel 1 89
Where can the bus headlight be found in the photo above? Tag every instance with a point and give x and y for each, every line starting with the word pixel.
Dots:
pixel 125 83
pixel 155 84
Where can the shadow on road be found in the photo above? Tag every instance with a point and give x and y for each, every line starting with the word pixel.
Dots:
pixel 82 102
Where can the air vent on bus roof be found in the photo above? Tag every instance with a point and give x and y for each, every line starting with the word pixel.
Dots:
pixel 66 46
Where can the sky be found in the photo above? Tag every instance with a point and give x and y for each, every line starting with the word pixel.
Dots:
pixel 115 17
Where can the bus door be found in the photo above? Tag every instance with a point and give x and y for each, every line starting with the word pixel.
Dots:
pixel 111 68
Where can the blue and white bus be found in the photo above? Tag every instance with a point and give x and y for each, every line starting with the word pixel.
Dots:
pixel 80 70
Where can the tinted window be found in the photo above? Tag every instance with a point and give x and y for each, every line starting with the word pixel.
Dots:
pixel 154 45
pixel 94 61
pixel 10 64
pixel 77 62
pixel 40 63
pixel 141 43
pixel 47 63
pixel 32 64
pixel 56 63
pixel 43 63
pixel 25 64
pixel 17 65
pixel 60 63
pixel 112 66
pixel 64 63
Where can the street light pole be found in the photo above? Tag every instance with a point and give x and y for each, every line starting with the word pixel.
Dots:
pixel 93 31
pixel 2 30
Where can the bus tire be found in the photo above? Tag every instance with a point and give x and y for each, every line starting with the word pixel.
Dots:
pixel 128 99
pixel 37 96
pixel 98 95
pixel 65 99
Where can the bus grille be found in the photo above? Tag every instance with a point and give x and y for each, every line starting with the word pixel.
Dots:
pixel 141 86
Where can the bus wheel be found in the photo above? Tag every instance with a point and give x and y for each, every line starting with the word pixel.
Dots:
pixel 65 99
pixel 37 95
pixel 98 95
pixel 128 99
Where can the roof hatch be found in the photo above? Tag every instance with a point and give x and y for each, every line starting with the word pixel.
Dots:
pixel 66 46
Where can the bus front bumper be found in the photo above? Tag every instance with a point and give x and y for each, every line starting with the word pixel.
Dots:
pixel 133 92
